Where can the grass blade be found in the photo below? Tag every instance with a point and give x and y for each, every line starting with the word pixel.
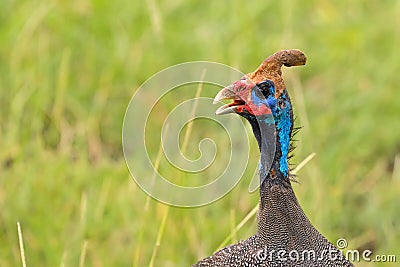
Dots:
pixel 184 147
pixel 21 245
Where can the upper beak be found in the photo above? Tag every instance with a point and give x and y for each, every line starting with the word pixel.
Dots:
pixel 228 93
pixel 225 93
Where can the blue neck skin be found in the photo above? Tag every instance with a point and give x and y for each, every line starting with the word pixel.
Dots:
pixel 268 127
pixel 284 128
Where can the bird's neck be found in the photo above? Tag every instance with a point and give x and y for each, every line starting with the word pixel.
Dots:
pixel 278 207
pixel 273 138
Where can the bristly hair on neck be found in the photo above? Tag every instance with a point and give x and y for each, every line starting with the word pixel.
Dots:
pixel 292 147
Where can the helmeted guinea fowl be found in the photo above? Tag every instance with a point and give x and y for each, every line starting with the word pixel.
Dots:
pixel 285 235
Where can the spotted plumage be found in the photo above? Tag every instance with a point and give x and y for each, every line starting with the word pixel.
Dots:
pixel 285 236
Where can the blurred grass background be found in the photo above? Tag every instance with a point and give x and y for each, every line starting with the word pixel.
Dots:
pixel 69 68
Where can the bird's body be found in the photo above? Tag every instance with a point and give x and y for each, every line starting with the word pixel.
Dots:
pixel 285 236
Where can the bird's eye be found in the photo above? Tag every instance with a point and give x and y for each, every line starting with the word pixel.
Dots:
pixel 267 87
pixel 264 85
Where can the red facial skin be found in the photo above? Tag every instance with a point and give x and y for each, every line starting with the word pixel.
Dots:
pixel 242 89
pixel 254 109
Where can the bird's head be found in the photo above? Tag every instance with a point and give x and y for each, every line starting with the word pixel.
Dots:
pixel 250 100
pixel 262 99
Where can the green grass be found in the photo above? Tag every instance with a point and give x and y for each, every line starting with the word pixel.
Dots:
pixel 69 68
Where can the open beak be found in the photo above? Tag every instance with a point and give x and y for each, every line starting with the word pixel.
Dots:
pixel 229 93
